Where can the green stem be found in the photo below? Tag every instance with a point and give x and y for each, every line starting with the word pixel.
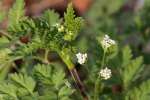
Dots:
pixel 5 68
pixel 46 56
pixel 43 60
pixel 79 83
pixel 40 59
pixel 66 59
pixel 97 88
pixel 97 83
pixel 103 59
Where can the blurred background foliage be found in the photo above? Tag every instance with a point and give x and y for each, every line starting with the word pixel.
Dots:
pixel 126 21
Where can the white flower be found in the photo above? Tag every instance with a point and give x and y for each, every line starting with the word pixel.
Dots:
pixel 107 42
pixel 105 73
pixel 61 28
pixel 81 57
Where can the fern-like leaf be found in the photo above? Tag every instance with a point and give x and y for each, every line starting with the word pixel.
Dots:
pixel 30 48
pixel 16 13
pixel 43 70
pixel 8 89
pixel 131 69
pixel 51 17
pixel 64 91
pixel 126 56
pixel 58 78
pixel 72 23
pixel 24 81
pixel 139 93
pixel 43 73
pixel 55 79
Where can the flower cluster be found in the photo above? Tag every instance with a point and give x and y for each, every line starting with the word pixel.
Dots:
pixel 81 58
pixel 107 42
pixel 105 73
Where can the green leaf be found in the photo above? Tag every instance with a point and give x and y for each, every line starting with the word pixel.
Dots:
pixel 65 91
pixel 72 24
pixel 4 55
pixel 9 89
pixel 131 70
pixel 46 74
pixel 54 78
pixel 22 92
pixel 43 70
pixel 5 62
pixel 139 93
pixel 24 81
pixel 50 96
pixel 43 73
pixel 16 13
pixel 58 78
pixel 3 42
pixel 51 17
pixel 126 55
pixel 65 98
pixel 30 47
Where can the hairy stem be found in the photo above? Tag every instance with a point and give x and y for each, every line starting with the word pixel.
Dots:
pixel 67 60
pixel 79 83
pixel 103 59
pixel 97 88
